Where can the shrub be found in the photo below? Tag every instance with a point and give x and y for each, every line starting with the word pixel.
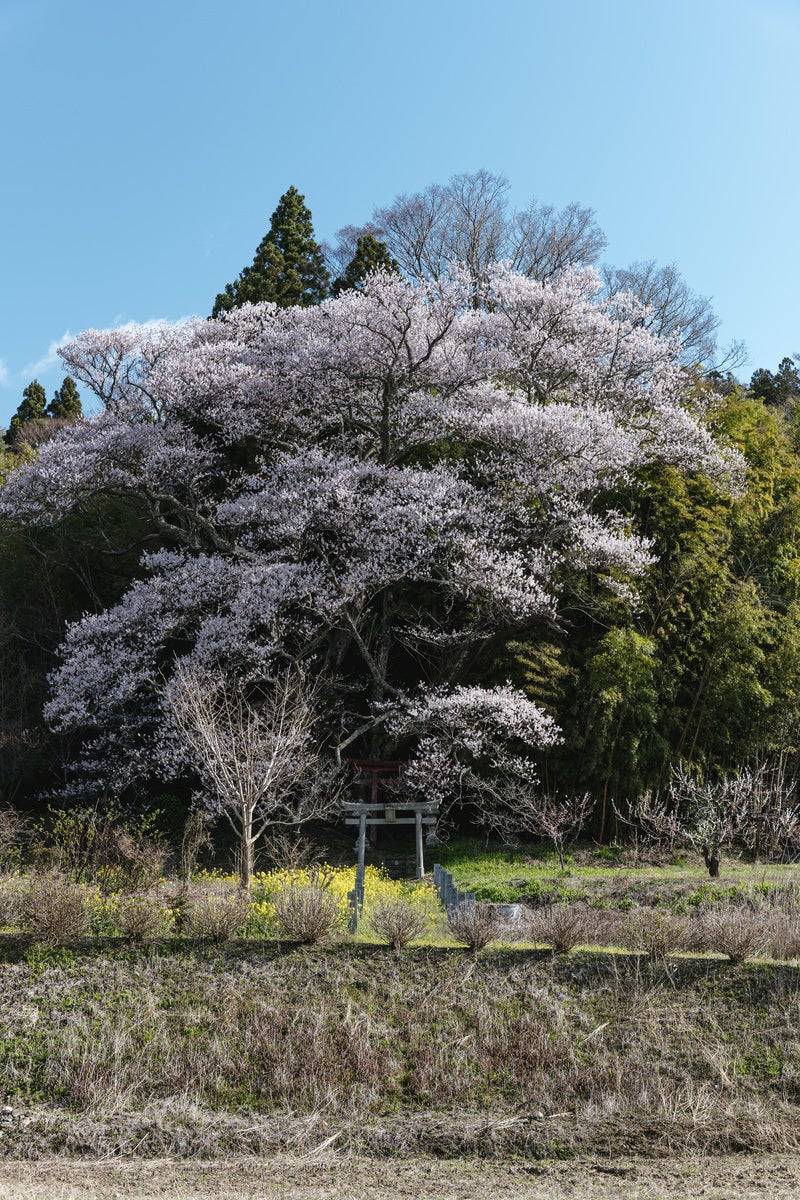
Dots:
pixel 562 926
pixel 398 922
pixel 475 925
pixel 215 916
pixel 338 882
pixel 196 838
pixel 140 918
pixel 655 931
pixel 288 849
pixel 738 932
pixel 94 845
pixel 141 859
pixel 307 913
pixel 12 832
pixel 54 908
pixel 784 935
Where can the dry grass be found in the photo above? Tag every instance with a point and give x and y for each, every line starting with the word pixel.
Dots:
pixel 325 1174
pixel 514 1051
pixel 237 1048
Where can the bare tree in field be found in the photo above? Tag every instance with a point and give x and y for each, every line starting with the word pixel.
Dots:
pixel 468 220
pixel 557 818
pixel 258 759
pixel 675 308
pixel 756 807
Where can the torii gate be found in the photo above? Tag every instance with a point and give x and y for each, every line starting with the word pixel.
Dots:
pixel 377 812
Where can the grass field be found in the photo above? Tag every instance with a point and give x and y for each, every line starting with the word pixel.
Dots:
pixel 247 1049
pixel 611 875
pixel 176 1066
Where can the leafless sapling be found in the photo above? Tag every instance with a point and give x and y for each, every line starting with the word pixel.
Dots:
pixel 257 755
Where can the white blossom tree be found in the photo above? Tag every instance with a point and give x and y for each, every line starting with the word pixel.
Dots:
pixel 379 489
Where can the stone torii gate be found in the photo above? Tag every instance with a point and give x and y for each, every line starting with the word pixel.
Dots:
pixel 380 812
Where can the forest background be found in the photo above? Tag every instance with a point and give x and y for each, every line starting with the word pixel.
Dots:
pixel 704 669
pixel 701 669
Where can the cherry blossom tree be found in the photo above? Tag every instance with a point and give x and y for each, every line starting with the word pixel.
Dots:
pixel 379 489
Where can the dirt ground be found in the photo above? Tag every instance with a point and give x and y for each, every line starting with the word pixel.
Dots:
pixel 327 1177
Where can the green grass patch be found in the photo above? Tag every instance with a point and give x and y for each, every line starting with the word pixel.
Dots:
pixel 598 876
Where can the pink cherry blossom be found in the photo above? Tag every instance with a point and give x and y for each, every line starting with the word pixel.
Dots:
pixel 376 487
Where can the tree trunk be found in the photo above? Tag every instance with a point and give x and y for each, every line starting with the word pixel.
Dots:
pixel 711 856
pixel 247 858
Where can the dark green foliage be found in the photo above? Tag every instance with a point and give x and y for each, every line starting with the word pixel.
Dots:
pixel 66 402
pixel 49 577
pixel 32 408
pixel 256 283
pixel 706 669
pixel 100 846
pixel 778 389
pixel 371 255
pixel 30 425
pixel 288 267
pixel 33 403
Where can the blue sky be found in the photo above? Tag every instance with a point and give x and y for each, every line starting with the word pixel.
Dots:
pixel 145 144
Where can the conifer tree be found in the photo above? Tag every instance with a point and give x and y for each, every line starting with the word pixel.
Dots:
pixel 778 389
pixel 66 402
pixel 370 255
pixel 32 408
pixel 288 267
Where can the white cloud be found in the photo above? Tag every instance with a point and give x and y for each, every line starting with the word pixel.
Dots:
pixel 4 376
pixel 49 359
pixel 120 322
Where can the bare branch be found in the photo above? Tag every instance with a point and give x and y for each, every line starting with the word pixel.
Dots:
pixel 467 220
pixel 257 758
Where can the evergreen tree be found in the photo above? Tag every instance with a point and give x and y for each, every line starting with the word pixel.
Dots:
pixel 778 389
pixel 371 255
pixel 288 267
pixel 32 408
pixel 66 402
